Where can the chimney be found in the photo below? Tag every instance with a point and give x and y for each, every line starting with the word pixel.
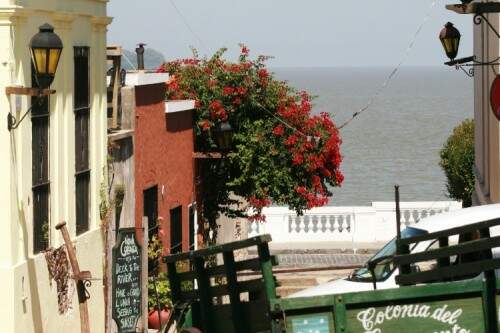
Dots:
pixel 140 56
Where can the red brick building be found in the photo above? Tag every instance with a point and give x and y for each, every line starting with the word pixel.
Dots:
pixel 164 165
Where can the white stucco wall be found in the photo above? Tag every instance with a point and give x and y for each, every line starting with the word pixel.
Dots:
pixel 487 126
pixel 29 302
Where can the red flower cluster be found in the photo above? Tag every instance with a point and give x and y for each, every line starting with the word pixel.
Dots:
pixel 226 91
pixel 259 203
pixel 263 73
pixel 217 111
pixel 205 125
pixel 279 130
pixel 315 145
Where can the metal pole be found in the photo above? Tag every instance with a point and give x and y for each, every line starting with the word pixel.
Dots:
pixel 82 297
pixel 398 212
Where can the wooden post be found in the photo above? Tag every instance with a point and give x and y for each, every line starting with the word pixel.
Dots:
pixel 234 294
pixel 206 304
pixel 266 265
pixel 78 276
pixel 145 242
pixel 489 291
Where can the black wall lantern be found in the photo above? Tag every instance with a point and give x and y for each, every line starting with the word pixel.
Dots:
pixel 45 48
pixel 450 39
pixel 224 136
pixel 450 36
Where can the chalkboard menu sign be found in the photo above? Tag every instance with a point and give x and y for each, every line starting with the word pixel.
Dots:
pixel 126 281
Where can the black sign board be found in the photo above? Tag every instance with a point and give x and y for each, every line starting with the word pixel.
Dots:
pixel 127 267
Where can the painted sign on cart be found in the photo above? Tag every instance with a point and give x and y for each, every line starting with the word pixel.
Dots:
pixel 126 291
pixel 454 316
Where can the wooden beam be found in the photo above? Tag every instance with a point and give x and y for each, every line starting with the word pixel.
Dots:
pixel 199 155
pixel 114 51
pixel 28 91
pixel 82 298
pixel 475 8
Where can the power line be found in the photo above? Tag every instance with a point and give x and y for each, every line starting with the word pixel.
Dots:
pixel 394 71
pixel 188 26
pixel 128 60
pixel 372 99
pixel 281 120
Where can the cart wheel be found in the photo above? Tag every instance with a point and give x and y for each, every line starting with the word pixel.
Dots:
pixel 191 330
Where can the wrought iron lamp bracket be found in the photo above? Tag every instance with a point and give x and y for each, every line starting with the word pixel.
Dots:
pixel 469 72
pixel 471 62
pixel 12 121
pixel 479 18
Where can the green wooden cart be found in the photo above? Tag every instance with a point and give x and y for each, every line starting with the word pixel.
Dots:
pixel 455 295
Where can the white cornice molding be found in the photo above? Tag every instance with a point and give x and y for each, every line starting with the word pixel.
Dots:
pixel 100 23
pixel 12 15
pixel 63 20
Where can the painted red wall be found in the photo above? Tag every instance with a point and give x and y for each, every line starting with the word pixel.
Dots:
pixel 163 157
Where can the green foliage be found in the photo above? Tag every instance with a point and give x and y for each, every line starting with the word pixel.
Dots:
pixel 162 290
pixel 457 161
pixel 155 248
pixel 282 153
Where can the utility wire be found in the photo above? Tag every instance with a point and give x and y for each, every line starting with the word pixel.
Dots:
pixel 188 26
pixel 281 120
pixel 386 81
pixel 128 60
pixel 394 71
pixel 372 99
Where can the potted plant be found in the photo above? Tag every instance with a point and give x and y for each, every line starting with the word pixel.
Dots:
pixel 159 299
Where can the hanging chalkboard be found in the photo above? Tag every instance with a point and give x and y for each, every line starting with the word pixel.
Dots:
pixel 126 288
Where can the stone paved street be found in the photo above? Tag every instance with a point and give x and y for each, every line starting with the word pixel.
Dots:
pixel 321 259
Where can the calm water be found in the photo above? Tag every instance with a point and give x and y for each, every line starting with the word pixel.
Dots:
pixel 399 138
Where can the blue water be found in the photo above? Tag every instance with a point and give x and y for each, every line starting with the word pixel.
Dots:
pixel 399 138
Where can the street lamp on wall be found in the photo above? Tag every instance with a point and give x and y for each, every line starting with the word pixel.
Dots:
pixel 450 39
pixel 45 48
pixel 224 136
pixel 450 36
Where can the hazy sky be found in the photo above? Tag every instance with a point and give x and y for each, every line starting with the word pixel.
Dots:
pixel 296 33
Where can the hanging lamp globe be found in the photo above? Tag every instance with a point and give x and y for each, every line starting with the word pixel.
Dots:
pixel 224 136
pixel 450 39
pixel 46 48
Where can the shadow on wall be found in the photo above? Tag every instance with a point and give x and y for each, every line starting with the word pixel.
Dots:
pixel 150 94
pixel 36 315
pixel 179 121
pixel 123 150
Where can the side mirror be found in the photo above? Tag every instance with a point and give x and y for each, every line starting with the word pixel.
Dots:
pixel 374 263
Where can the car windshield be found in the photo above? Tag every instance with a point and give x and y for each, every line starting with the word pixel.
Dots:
pixel 384 268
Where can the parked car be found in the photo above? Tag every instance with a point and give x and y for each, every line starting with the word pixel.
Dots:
pixel 381 268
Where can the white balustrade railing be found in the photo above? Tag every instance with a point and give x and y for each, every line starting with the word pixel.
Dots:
pixel 343 225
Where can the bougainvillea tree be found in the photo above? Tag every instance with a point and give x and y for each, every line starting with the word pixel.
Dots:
pixel 282 153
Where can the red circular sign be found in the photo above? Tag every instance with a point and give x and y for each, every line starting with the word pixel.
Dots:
pixel 495 96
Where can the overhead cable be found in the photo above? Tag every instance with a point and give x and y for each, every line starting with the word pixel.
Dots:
pixel 395 70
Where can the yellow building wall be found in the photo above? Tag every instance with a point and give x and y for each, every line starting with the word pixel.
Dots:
pixel 28 300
